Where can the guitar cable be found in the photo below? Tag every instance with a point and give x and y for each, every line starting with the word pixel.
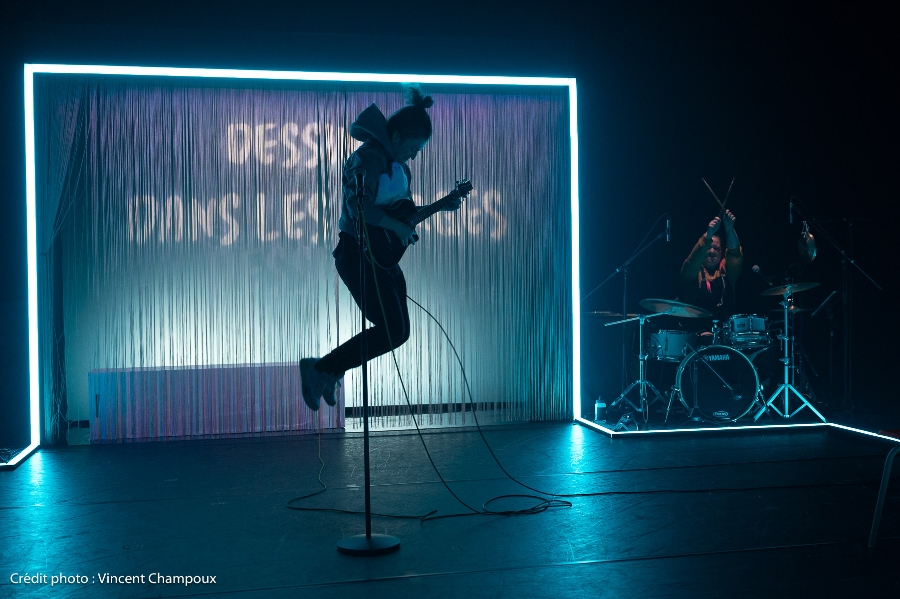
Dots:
pixel 543 503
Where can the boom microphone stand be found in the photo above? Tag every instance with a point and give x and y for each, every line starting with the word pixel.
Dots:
pixel 641 383
pixel 827 305
pixel 846 262
pixel 624 270
pixel 365 545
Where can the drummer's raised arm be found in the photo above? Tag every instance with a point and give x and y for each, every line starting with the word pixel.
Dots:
pixel 731 239
pixel 712 227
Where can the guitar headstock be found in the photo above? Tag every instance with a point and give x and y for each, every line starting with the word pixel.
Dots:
pixel 463 188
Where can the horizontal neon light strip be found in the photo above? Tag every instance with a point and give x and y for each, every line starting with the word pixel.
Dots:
pixel 293 75
pixel 21 456
pixel 608 431
pixel 862 432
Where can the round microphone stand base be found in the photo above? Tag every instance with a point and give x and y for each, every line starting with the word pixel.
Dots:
pixel 368 545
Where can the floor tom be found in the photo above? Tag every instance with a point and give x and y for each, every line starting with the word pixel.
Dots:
pixel 671 346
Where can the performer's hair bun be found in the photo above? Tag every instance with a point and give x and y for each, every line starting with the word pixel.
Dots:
pixel 414 96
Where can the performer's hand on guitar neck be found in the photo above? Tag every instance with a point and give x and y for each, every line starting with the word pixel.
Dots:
pixel 406 233
pixel 453 202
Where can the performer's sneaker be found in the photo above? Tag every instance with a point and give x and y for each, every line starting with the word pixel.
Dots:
pixel 331 384
pixel 311 383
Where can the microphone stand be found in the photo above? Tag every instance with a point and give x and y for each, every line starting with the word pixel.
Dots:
pixel 624 270
pixel 368 544
pixel 641 383
pixel 826 305
pixel 845 295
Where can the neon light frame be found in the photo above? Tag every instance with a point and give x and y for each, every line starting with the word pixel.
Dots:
pixel 31 194
pixel 31 223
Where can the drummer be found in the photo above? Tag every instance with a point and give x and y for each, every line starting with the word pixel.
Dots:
pixel 709 274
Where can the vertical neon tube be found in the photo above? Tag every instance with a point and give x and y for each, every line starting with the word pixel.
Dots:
pixel 31 225
pixel 576 285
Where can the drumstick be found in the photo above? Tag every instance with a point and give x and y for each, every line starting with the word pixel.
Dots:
pixel 713 193
pixel 728 193
pixel 721 203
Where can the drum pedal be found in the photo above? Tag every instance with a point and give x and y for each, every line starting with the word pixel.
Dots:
pixel 624 422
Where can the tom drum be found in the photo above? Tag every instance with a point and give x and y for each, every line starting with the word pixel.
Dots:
pixel 746 331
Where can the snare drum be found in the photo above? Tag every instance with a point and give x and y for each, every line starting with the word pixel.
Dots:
pixel 671 346
pixel 746 331
pixel 720 382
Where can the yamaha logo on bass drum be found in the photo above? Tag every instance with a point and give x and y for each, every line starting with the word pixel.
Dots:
pixel 716 357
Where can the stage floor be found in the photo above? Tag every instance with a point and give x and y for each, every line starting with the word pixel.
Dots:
pixel 737 514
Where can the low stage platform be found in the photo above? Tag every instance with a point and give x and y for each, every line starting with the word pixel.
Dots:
pixel 763 513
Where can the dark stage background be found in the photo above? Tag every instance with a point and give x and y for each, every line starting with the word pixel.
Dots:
pixel 789 102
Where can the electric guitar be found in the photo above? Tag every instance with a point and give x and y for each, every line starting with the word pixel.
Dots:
pixel 386 246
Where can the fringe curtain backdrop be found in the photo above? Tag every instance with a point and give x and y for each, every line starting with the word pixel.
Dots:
pixel 188 224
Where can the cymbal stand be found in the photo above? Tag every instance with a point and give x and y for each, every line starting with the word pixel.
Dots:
pixel 786 388
pixel 642 383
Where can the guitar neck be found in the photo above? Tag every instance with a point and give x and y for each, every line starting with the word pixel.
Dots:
pixel 426 211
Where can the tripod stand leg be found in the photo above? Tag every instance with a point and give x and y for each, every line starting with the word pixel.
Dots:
pixel 672 392
pixel 771 403
pixel 804 404
pixel 657 395
pixel 624 397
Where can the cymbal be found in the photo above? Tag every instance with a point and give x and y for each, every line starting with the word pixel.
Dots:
pixel 792 310
pixel 789 289
pixel 674 308
pixel 606 314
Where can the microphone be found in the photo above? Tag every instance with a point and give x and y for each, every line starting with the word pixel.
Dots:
pixel 761 275
pixel 668 230
pixel 791 213
pixel 360 175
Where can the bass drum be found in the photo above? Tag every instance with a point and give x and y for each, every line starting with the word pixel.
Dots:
pixel 719 381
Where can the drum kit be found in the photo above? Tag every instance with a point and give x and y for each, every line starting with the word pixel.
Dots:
pixel 716 380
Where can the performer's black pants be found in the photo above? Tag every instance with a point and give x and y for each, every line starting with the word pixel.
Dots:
pixel 389 327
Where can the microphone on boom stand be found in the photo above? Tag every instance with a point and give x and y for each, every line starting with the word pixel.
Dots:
pixel 758 272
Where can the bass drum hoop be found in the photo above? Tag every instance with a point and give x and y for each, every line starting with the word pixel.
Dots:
pixel 725 348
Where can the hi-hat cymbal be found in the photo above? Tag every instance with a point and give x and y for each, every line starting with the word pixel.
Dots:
pixel 607 314
pixel 674 308
pixel 789 289
pixel 792 310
